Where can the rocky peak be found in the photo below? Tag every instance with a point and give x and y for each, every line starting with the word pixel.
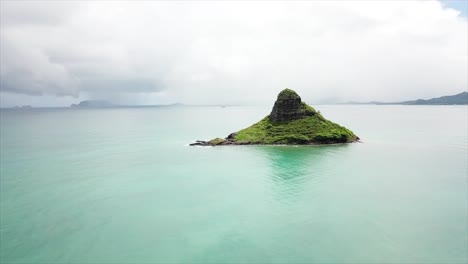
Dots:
pixel 289 106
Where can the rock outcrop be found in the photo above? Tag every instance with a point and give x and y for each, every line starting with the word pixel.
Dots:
pixel 291 122
pixel 289 106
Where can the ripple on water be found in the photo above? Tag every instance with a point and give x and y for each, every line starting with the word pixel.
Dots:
pixel 293 168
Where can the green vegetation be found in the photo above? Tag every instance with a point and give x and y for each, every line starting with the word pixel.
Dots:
pixel 309 130
pixel 309 110
pixel 289 94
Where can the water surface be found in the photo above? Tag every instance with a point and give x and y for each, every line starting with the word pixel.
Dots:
pixel 122 186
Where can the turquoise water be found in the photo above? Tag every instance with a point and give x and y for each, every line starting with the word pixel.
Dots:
pixel 122 186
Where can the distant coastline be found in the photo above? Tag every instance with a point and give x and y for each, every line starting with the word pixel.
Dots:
pixel 457 99
pixel 106 104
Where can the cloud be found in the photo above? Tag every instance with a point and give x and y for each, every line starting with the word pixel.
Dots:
pixel 233 52
pixel 36 12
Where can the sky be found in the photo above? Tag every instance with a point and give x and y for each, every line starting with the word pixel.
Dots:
pixel 55 53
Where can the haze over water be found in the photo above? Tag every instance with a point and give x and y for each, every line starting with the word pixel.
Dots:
pixel 122 186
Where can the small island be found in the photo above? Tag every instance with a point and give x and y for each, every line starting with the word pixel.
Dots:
pixel 93 104
pixel 291 122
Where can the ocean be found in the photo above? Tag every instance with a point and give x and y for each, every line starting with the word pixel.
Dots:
pixel 123 186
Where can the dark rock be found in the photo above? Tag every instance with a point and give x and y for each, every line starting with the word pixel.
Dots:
pixel 200 143
pixel 289 106
pixel 231 136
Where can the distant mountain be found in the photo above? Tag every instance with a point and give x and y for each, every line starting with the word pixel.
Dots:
pixel 362 103
pixel 106 104
pixel 93 104
pixel 23 106
pixel 458 99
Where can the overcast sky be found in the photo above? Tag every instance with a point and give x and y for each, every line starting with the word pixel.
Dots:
pixel 154 52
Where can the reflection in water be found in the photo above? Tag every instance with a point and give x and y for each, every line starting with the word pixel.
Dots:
pixel 292 167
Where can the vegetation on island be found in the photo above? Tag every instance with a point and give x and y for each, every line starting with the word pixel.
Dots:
pixel 290 122
pixel 312 129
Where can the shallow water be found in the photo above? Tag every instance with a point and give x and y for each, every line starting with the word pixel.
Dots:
pixel 122 186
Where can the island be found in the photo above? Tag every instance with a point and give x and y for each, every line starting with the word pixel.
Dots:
pixel 456 99
pixel 93 104
pixel 23 107
pixel 291 122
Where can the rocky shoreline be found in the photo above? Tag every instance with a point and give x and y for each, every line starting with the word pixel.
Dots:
pixel 230 141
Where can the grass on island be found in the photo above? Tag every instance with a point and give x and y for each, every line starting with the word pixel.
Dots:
pixel 312 129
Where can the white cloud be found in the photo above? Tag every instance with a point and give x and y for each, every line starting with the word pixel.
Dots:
pixel 234 52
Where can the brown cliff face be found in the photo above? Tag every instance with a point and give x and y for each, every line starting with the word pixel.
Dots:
pixel 288 107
